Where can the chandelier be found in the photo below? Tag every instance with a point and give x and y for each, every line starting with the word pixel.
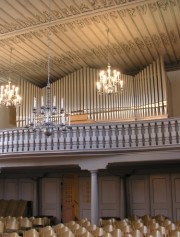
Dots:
pixel 109 81
pixel 48 118
pixel 9 94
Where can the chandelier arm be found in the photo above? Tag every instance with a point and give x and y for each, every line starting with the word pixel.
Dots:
pixel 48 119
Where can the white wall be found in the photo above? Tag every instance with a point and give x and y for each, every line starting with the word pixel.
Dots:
pixel 7 117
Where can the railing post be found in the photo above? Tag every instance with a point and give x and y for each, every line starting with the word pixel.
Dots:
pixel 113 136
pixel 177 131
pixel 139 133
pixel 81 138
pixel 100 136
pixel 153 131
pixel 133 134
pixel 165 133
pixel 73 138
pixel 159 133
pixel 4 142
pixel 20 140
pixel 147 134
pixel 1 142
pixel 173 131
pixel 68 139
pixel 93 136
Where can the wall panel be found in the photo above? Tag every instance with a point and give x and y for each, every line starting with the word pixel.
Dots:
pixel 51 198
pixel 84 197
pixel 26 189
pixel 160 195
pixel 1 188
pixel 146 194
pixel 109 196
pixel 138 195
pixel 175 179
pixel 11 189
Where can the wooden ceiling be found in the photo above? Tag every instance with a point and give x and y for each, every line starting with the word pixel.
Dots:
pixel 140 31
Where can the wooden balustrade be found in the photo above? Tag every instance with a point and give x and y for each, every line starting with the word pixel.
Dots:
pixel 99 136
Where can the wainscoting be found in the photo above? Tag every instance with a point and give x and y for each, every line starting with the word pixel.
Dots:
pixel 155 194
pixel 150 193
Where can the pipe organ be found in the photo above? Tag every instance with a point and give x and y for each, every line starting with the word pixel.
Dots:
pixel 150 91
pixel 144 95
pixel 27 91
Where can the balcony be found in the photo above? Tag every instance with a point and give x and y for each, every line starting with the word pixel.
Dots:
pixel 97 137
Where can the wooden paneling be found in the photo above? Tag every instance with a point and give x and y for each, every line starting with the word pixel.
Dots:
pixel 160 195
pixel 26 189
pixel 84 197
pixel 11 189
pixel 1 189
pixel 139 195
pixel 68 198
pixel 175 180
pixel 146 194
pixel 51 198
pixel 109 196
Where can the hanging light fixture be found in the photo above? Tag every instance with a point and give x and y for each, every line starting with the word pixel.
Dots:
pixel 48 118
pixel 9 94
pixel 109 81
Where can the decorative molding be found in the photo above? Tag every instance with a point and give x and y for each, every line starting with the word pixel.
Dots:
pixel 163 4
pixel 140 44
pixel 93 5
pixel 142 9
pixel 148 42
pixel 153 7
pixel 132 11
pixel 165 39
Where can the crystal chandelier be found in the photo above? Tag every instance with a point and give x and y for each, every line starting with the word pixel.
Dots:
pixel 48 118
pixel 9 94
pixel 109 81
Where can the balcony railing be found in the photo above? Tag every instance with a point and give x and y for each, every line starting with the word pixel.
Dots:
pixel 95 137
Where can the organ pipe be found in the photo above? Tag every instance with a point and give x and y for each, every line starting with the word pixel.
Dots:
pixel 144 95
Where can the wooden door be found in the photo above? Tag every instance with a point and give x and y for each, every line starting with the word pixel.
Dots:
pixel 69 199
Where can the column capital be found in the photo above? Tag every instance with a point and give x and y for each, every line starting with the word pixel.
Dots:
pixel 93 171
pixel 92 164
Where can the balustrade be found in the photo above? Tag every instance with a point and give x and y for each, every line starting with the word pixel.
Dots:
pixel 99 136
